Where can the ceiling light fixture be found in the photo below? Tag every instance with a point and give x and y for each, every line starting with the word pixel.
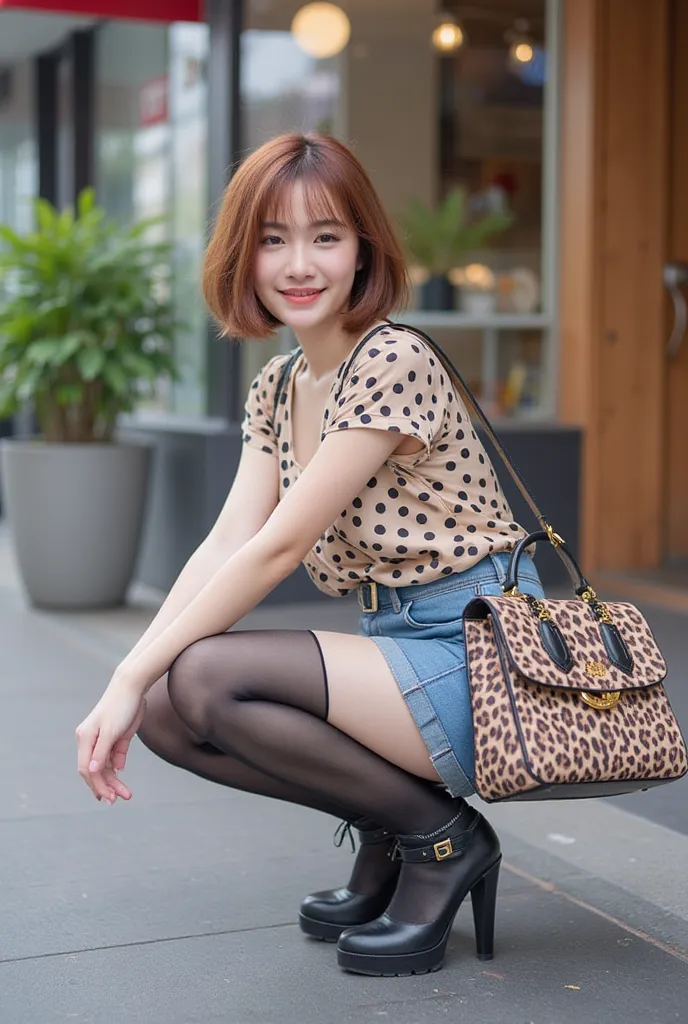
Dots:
pixel 321 29
pixel 521 48
pixel 448 37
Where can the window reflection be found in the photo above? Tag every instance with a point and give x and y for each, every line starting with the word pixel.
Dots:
pixel 429 126
pixel 151 160
pixel 282 89
pixel 18 156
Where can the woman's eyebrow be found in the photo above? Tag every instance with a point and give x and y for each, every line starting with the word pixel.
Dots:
pixel 276 226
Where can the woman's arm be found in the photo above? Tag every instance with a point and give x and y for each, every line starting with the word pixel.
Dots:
pixel 345 461
pixel 338 472
pixel 250 502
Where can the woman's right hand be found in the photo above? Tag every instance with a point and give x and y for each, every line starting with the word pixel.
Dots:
pixel 103 740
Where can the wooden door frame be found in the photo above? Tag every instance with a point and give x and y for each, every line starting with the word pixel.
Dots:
pixel 614 234
pixel 675 538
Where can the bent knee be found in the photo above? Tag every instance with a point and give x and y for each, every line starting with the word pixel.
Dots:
pixel 162 730
pixel 192 685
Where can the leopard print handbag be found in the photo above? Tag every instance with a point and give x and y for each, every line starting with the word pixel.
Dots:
pixel 567 695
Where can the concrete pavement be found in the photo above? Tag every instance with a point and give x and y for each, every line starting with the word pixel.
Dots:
pixel 180 907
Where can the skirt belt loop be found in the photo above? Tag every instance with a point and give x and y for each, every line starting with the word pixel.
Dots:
pixel 367 597
pixel 368 594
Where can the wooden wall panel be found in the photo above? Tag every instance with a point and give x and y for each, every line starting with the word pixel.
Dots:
pixel 632 342
pixel 613 248
pixel 676 423
pixel 579 220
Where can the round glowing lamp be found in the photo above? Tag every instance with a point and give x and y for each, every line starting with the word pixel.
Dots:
pixel 321 29
pixel 447 37
pixel 521 52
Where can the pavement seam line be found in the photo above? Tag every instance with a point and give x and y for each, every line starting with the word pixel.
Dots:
pixel 554 890
pixel 540 883
pixel 145 942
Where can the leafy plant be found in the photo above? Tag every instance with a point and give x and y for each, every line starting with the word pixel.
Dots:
pixel 86 319
pixel 438 238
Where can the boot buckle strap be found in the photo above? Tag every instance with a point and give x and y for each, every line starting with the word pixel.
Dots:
pixel 443 849
pixel 453 846
pixel 438 851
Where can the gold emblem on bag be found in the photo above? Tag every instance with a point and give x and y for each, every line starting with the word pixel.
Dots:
pixel 443 849
pixel 596 669
pixel 602 701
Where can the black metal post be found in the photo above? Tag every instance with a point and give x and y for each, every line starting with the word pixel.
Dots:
pixel 225 19
pixel 45 107
pixel 83 108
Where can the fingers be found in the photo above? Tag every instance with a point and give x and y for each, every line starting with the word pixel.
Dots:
pixel 85 739
pixel 100 757
pixel 116 785
pixel 121 747
pixel 119 755
pixel 102 751
pixel 90 744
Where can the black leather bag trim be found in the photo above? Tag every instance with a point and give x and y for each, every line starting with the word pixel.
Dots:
pixel 555 645
pixel 615 646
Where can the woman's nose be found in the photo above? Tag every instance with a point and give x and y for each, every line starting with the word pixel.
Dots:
pixel 299 264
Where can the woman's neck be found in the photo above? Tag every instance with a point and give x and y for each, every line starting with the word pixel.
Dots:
pixel 326 348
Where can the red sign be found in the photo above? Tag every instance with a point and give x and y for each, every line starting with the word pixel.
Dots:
pixel 153 107
pixel 148 10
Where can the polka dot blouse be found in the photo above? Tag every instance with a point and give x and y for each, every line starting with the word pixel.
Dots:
pixel 422 516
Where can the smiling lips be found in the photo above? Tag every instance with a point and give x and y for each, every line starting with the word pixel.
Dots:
pixel 302 296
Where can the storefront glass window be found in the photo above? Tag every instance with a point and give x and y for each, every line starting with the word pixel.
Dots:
pixel 465 110
pixel 18 157
pixel 151 126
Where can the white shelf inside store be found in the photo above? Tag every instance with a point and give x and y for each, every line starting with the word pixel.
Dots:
pixel 468 322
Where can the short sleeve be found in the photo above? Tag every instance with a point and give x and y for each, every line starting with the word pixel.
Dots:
pixel 394 384
pixel 257 428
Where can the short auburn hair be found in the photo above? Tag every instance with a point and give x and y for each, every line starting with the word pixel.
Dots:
pixel 336 187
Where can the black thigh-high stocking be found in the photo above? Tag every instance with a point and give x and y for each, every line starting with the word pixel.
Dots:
pixel 167 736
pixel 261 696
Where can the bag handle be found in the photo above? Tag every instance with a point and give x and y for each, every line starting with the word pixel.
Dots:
pixel 580 584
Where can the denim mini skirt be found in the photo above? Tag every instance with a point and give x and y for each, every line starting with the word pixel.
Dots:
pixel 419 630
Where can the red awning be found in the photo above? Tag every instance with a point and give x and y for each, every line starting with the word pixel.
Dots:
pixel 149 10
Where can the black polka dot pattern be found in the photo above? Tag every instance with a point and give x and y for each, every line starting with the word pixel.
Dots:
pixel 422 516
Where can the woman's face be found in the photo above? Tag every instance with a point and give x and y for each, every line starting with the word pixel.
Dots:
pixel 305 270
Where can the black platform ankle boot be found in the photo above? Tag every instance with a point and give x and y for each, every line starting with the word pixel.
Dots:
pixel 324 915
pixel 469 849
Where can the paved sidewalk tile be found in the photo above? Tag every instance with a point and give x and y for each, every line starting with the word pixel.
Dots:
pixel 180 907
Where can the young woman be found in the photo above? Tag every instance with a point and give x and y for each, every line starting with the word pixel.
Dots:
pixel 362 464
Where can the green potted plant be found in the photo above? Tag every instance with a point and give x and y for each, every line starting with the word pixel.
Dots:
pixel 438 238
pixel 86 328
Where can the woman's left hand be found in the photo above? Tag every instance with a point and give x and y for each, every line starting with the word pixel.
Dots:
pixel 103 740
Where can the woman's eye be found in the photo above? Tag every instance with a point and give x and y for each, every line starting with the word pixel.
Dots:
pixel 271 240
pixel 327 237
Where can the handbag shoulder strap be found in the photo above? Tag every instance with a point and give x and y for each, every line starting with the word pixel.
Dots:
pixel 466 394
pixel 288 366
pixel 285 373
pixel 474 406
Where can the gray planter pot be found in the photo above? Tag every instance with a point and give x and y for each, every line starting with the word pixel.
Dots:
pixel 75 512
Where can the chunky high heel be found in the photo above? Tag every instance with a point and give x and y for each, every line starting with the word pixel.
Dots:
pixel 389 948
pixel 484 902
pixel 325 915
